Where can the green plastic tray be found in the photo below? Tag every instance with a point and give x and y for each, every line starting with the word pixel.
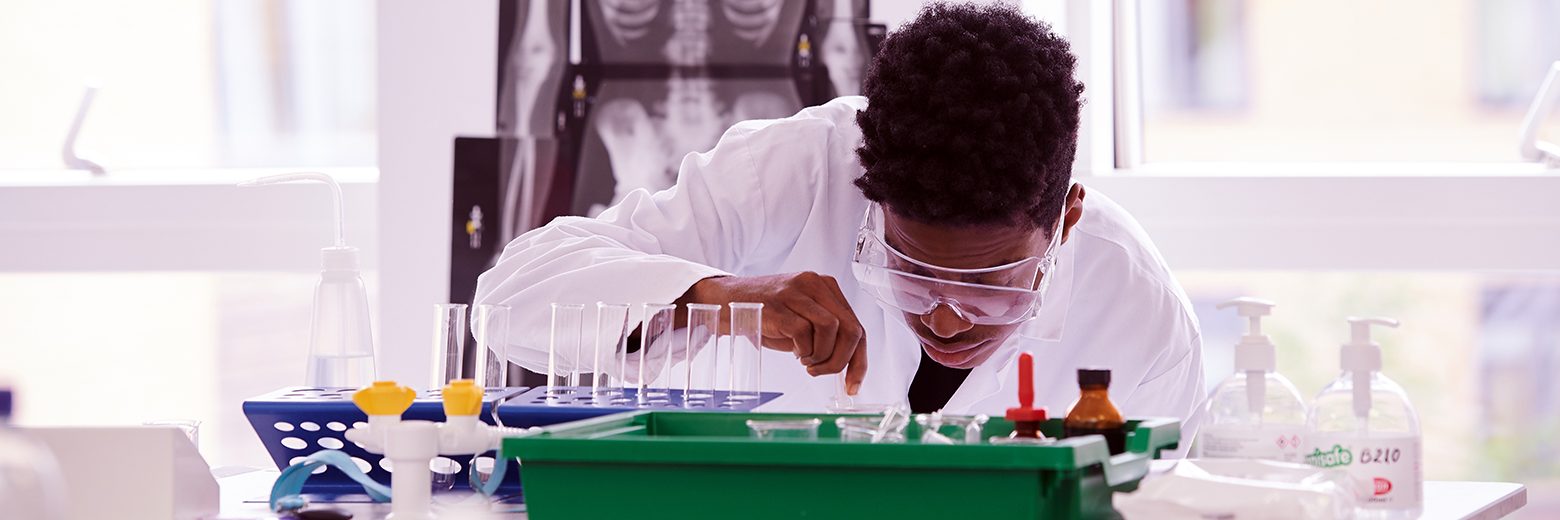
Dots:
pixel 703 465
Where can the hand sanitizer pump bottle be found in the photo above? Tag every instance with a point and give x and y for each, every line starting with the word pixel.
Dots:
pixel 341 344
pixel 1255 413
pixel 1363 423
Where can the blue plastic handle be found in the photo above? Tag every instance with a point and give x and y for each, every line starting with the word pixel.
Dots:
pixel 500 467
pixel 286 492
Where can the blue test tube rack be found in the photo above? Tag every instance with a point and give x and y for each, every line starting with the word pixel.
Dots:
pixel 297 421
pixel 543 406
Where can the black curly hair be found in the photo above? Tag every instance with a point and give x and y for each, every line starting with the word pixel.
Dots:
pixel 972 118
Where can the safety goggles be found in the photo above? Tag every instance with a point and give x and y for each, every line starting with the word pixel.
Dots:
pixel 1000 295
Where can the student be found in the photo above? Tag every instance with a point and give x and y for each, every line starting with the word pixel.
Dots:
pixel 916 240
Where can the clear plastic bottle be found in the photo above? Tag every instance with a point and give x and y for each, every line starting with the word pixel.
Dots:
pixel 1256 413
pixel 341 346
pixel 1364 424
pixel 341 343
pixel 30 483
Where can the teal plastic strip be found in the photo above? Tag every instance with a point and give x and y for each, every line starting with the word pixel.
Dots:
pixel 500 468
pixel 286 492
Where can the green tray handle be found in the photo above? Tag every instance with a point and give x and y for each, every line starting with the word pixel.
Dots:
pixel 1124 471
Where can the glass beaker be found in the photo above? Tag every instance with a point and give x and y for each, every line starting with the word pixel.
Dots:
pixel 490 326
pixel 870 429
pixel 747 349
pixel 784 429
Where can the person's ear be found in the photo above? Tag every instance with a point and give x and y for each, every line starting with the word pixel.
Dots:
pixel 1074 210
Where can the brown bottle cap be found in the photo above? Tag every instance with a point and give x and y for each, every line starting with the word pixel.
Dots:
pixel 1093 377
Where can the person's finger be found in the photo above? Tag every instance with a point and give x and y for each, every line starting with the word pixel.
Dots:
pixel 856 371
pixel 825 327
pixel 837 360
pixel 850 330
pixel 789 327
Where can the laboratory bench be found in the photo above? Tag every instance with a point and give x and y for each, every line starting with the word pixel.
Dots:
pixel 244 492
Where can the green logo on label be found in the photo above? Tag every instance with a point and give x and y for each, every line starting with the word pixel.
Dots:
pixel 1335 457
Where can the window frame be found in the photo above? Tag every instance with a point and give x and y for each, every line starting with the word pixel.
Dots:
pixel 178 220
pixel 1293 215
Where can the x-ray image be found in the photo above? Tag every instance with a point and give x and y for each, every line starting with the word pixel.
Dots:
pixel 694 32
pixel 533 59
pixel 639 130
pixel 590 109
pixel 844 50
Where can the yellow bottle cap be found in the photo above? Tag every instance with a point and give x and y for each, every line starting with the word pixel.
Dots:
pixel 384 398
pixel 462 397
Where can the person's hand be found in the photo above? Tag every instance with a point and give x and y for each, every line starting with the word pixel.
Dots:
pixel 805 314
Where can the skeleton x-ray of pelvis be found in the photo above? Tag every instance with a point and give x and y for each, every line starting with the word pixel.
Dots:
pixel 695 32
pixel 643 128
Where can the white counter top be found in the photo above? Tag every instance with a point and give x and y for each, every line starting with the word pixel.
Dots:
pixel 1443 500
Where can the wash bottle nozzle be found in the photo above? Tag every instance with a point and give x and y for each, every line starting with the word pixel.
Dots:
pixel 335 193
pixel 1361 356
pixel 340 256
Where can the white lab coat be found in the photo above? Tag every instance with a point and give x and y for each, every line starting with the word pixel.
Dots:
pixel 775 196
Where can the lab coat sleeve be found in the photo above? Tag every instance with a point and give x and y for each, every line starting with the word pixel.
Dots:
pixel 1173 387
pixel 650 248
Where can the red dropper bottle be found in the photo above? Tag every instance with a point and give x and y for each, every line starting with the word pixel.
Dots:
pixel 1026 418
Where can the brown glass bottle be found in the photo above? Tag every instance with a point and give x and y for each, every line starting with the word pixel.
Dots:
pixel 1094 414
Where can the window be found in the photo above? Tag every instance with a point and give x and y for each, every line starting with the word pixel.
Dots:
pixel 1336 80
pixel 228 83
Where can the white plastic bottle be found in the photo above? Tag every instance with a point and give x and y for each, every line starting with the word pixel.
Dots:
pixel 30 482
pixel 1256 413
pixel 1364 424
pixel 341 343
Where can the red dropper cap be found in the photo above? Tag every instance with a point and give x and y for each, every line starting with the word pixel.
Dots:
pixel 1026 410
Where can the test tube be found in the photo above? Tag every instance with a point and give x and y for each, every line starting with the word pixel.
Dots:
pixel 568 319
pixel 611 322
pixel 703 326
pixel 449 343
pixel 656 333
pixel 747 325
pixel 490 326
pixel 449 351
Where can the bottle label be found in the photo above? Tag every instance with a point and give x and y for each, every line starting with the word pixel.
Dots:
pixel 1273 442
pixel 1387 467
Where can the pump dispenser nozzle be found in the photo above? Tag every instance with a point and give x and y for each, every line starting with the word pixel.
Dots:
pixel 1255 354
pixel 1361 356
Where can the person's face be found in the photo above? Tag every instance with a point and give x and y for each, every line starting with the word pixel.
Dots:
pixel 946 337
